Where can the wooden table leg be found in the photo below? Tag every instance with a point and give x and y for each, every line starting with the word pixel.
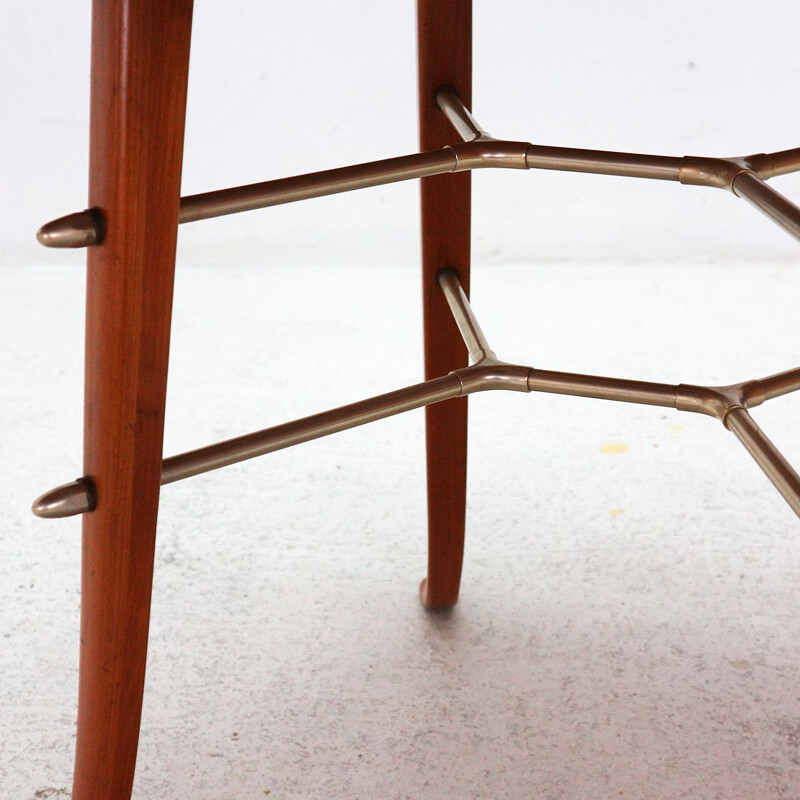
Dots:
pixel 140 57
pixel 444 36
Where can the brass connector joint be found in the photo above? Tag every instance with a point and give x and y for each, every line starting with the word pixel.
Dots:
pixel 490 373
pixel 487 153
pixel 719 401
pixel 718 173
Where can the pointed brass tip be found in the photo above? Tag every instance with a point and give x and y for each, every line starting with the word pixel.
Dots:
pixel 68 500
pixel 82 229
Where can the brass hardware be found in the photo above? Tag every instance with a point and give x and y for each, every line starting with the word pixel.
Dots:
pixel 76 497
pixel 766 455
pixel 316 426
pixel 458 115
pixel 478 150
pixel 491 374
pixel 744 176
pixel 718 173
pixel 474 338
pixel 315 184
pixel 729 404
pixel 711 400
pixel 780 163
pixel 776 385
pixel 82 229
pixel 771 203
pixel 490 154
pixel 603 162
pixel 602 388
pixel 73 498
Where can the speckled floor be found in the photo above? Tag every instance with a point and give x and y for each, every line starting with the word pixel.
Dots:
pixel 628 625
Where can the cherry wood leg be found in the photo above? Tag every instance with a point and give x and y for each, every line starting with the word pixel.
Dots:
pixel 140 57
pixel 444 37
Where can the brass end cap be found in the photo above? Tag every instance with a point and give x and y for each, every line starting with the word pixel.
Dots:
pixel 81 229
pixel 67 500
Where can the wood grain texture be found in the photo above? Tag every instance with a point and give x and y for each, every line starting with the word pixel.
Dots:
pixel 140 57
pixel 444 33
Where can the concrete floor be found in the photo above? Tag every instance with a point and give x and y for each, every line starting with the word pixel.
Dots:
pixel 628 624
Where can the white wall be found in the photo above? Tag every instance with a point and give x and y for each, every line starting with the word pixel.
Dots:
pixel 278 89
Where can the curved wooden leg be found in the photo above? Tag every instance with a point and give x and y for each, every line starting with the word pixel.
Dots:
pixel 445 59
pixel 140 55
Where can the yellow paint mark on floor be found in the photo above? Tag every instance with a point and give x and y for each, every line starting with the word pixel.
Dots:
pixel 677 428
pixel 614 447
pixel 615 512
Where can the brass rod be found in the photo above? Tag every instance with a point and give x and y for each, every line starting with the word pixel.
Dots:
pixel 784 161
pixel 770 202
pixel 474 338
pixel 75 498
pixel 459 116
pixel 766 455
pixel 316 426
pixel 315 184
pixel 603 162
pixel 602 388
pixel 781 383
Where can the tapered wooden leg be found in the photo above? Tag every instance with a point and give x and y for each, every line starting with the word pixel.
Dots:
pixel 140 56
pixel 445 59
